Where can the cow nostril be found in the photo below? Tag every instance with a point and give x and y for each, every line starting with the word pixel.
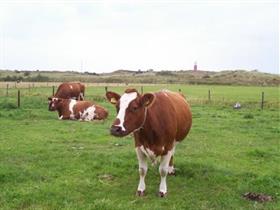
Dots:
pixel 116 129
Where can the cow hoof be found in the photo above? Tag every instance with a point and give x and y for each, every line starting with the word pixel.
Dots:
pixel 172 173
pixel 140 193
pixel 162 194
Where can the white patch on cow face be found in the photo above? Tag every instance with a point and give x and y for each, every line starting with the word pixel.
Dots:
pixel 53 101
pixel 124 103
pixel 71 106
pixel 88 114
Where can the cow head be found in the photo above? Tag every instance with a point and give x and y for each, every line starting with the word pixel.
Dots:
pixel 54 103
pixel 131 110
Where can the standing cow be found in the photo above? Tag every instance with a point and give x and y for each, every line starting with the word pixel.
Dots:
pixel 70 91
pixel 158 122
pixel 70 109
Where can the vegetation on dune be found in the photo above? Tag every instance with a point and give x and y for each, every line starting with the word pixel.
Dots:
pixel 235 77
pixel 46 163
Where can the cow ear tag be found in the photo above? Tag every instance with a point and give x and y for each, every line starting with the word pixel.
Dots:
pixel 113 101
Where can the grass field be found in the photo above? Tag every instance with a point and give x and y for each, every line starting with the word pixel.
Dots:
pixel 50 164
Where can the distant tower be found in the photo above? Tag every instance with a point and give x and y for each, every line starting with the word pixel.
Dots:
pixel 195 66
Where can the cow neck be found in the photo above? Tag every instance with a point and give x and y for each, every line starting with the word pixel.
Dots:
pixel 142 125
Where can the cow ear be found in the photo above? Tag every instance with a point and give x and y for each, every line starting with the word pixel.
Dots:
pixel 49 98
pixel 112 97
pixel 147 99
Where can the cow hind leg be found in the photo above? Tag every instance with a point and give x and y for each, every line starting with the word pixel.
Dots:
pixel 163 171
pixel 143 167
pixel 171 168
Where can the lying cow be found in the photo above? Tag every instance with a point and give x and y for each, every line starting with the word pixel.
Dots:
pixel 158 122
pixel 77 110
pixel 70 91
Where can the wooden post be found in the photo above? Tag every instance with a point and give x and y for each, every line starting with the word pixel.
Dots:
pixel 262 102
pixel 53 90
pixel 106 89
pixel 209 95
pixel 142 90
pixel 179 90
pixel 29 88
pixel 18 99
pixel 7 90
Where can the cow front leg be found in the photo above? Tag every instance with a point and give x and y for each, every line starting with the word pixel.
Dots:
pixel 81 97
pixel 143 167
pixel 163 171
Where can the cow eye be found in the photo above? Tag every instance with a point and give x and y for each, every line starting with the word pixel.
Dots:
pixel 134 108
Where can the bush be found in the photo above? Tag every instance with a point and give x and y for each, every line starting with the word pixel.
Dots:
pixel 26 73
pixel 165 73
pixel 38 78
pixel 7 105
pixel 12 78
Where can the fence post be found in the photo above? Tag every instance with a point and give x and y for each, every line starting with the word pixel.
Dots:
pixel 262 102
pixel 179 90
pixel 18 99
pixel 106 89
pixel 29 88
pixel 7 90
pixel 142 90
pixel 53 90
pixel 209 95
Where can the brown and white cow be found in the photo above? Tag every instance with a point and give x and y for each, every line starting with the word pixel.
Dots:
pixel 70 91
pixel 158 122
pixel 77 110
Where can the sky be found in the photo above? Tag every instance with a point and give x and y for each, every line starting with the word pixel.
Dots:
pixel 103 36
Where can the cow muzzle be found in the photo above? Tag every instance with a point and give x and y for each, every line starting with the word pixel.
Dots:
pixel 51 107
pixel 117 131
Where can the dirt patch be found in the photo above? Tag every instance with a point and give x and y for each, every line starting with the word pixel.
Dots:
pixel 257 197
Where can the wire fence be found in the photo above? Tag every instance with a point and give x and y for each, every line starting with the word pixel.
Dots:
pixel 34 95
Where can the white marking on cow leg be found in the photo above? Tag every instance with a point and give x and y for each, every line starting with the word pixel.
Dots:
pixel 143 168
pixel 71 106
pixel 81 96
pixel 61 117
pixel 163 170
pixel 124 103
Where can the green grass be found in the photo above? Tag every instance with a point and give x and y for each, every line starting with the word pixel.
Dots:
pixel 50 164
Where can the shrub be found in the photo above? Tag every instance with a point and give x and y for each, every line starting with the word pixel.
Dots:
pixel 7 105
